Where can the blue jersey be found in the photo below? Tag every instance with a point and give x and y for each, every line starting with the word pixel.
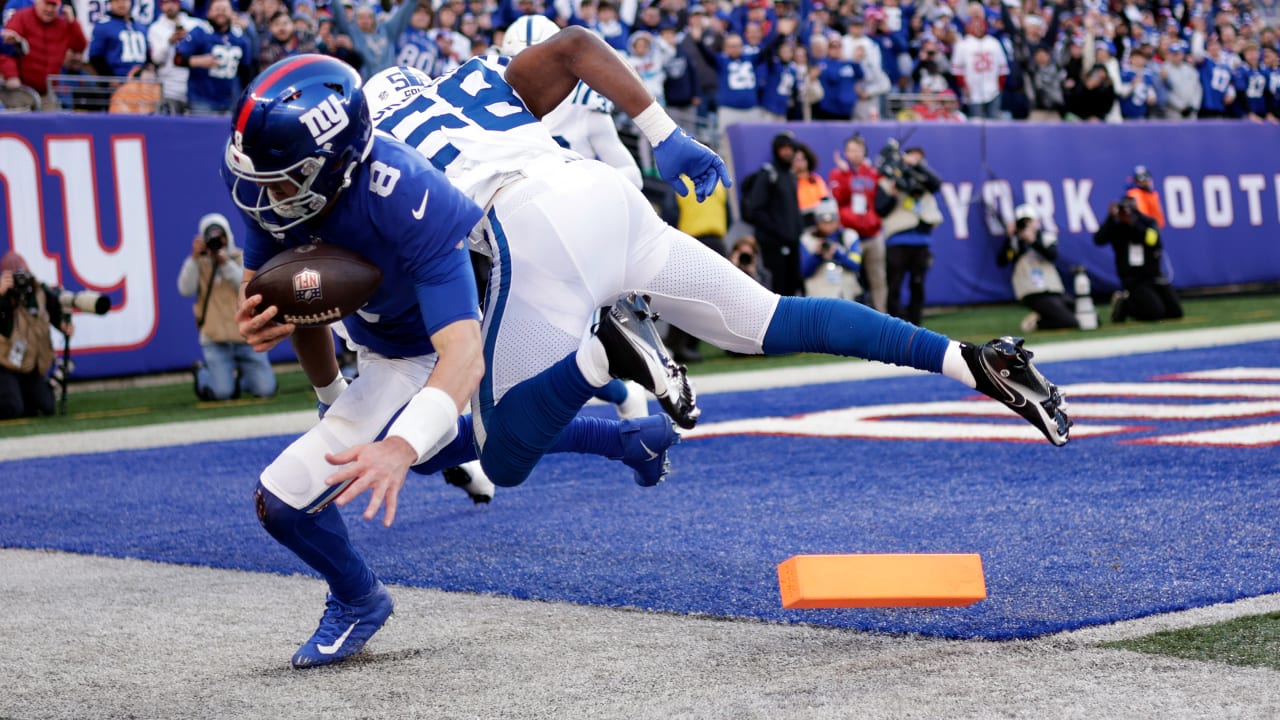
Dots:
pixel 405 217
pixel 119 45
pixel 1142 87
pixel 1251 90
pixel 12 7
pixel 839 79
pixel 738 86
pixel 1273 90
pixel 215 87
pixel 418 49
pixel 1215 78
pixel 779 85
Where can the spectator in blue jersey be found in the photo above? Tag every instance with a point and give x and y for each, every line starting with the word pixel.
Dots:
pixel 415 47
pixel 1137 89
pixel 283 40
pixel 221 59
pixel 1271 65
pixel 119 44
pixel 779 84
pixel 375 42
pixel 1215 80
pixel 1250 83
pixel 609 26
pixel 737 89
pixel 839 78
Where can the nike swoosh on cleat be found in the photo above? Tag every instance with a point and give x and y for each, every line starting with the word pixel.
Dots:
pixel 652 455
pixel 331 649
pixel 1015 400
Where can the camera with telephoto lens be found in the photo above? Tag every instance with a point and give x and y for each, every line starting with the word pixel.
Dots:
pixel 24 283
pixel 905 177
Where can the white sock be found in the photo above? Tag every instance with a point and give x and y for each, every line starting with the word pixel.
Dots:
pixel 954 366
pixel 593 361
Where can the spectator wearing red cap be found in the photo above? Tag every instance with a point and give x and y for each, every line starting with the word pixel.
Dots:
pixel 43 36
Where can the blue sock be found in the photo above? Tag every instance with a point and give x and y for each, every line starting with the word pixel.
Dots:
pixel 591 436
pixel 615 392
pixel 321 541
pixel 842 327
pixel 529 419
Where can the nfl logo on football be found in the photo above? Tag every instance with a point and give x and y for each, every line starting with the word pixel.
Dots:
pixel 306 285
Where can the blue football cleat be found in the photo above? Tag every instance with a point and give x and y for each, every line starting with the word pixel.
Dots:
pixel 344 628
pixel 644 447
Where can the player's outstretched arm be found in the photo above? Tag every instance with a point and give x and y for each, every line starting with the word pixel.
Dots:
pixel 544 74
pixel 428 422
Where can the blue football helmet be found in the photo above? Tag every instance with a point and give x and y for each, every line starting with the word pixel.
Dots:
pixel 302 122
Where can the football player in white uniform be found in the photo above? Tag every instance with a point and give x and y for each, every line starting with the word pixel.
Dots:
pixel 567 235
pixel 584 121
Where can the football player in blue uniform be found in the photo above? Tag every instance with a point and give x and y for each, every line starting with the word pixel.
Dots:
pixel 567 234
pixel 305 166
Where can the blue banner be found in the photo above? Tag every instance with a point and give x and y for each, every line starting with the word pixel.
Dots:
pixel 111 203
pixel 1217 181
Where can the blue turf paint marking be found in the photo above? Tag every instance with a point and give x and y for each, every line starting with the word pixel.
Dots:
pixel 1099 531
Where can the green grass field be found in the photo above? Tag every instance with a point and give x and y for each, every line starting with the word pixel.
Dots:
pixel 128 404
pixel 1250 641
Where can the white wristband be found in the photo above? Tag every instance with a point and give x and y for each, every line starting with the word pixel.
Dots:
pixel 428 422
pixel 655 123
pixel 329 393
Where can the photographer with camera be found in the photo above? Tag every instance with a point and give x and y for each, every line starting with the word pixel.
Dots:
pixel 29 310
pixel 830 256
pixel 212 274
pixel 1036 282
pixel 909 212
pixel 745 255
pixel 1146 293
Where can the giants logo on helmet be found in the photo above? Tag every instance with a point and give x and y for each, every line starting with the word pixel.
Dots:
pixel 306 285
pixel 325 120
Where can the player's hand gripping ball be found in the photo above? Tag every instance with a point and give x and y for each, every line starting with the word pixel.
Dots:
pixel 314 285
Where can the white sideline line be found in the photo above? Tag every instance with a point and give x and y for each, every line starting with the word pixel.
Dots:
pixel 186 433
pixel 1176 620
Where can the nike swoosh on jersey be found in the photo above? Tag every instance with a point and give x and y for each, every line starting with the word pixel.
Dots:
pixel 422 209
pixel 331 649
pixel 652 455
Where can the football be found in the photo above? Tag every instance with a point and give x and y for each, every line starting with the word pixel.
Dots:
pixel 314 285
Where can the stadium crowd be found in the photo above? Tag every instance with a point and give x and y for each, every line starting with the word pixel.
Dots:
pixel 711 63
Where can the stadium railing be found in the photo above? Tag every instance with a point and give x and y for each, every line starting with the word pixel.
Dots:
pixel 95 93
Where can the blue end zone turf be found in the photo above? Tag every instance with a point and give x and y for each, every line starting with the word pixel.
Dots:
pixel 1098 531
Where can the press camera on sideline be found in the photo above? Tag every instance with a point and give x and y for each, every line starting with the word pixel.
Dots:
pixel 24 283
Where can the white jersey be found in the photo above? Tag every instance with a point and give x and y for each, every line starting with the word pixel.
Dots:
pixel 981 61
pixel 469 123
pixel 584 124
